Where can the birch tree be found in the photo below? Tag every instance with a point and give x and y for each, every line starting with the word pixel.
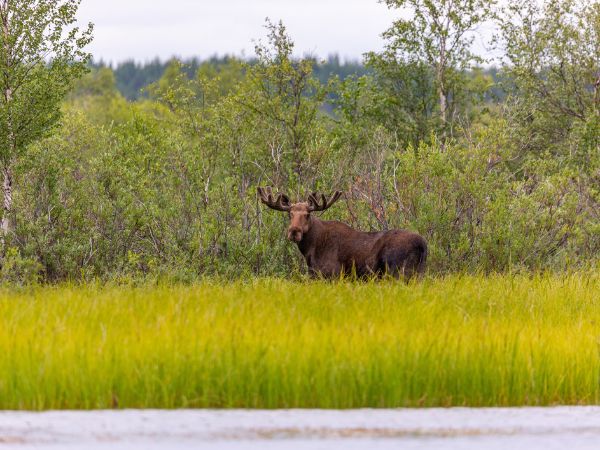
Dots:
pixel 41 55
pixel 439 35
pixel 552 54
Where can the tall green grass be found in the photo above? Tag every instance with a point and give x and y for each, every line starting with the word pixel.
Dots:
pixel 460 340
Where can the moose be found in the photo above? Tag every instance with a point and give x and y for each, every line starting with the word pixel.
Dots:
pixel 332 248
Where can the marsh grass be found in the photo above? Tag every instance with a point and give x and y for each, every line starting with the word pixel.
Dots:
pixel 269 343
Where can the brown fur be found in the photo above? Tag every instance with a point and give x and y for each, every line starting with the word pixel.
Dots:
pixel 332 248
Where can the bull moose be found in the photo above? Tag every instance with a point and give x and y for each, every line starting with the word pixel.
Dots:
pixel 332 248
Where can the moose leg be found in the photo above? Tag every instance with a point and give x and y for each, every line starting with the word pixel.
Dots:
pixel 372 269
pixel 409 266
pixel 314 274
pixel 397 263
pixel 319 269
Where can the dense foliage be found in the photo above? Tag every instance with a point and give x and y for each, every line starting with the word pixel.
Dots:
pixel 166 185
pixel 41 55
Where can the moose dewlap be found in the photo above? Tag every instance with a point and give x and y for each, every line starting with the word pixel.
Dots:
pixel 332 248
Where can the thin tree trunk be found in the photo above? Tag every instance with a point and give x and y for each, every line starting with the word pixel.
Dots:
pixel 441 69
pixel 443 109
pixel 6 225
pixel 443 105
pixel 597 95
pixel 441 79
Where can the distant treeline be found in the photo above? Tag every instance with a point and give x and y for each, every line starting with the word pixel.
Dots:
pixel 132 78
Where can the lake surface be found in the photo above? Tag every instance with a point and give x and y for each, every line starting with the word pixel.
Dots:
pixel 435 428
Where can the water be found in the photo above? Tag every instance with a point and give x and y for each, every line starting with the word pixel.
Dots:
pixel 435 428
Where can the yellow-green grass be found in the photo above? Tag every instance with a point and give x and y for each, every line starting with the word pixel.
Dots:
pixel 459 340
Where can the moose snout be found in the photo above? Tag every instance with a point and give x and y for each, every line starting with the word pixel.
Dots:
pixel 294 234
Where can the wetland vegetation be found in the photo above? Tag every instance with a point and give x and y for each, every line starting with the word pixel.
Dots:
pixel 505 340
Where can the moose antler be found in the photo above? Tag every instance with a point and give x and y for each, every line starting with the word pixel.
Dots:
pixel 323 204
pixel 281 203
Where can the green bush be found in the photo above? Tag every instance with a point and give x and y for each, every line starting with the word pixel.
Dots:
pixel 166 187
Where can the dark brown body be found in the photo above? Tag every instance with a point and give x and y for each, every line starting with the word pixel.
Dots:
pixel 332 248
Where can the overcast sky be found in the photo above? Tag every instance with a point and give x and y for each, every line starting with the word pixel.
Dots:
pixel 145 29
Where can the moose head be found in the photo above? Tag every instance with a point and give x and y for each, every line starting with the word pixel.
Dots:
pixel 299 212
